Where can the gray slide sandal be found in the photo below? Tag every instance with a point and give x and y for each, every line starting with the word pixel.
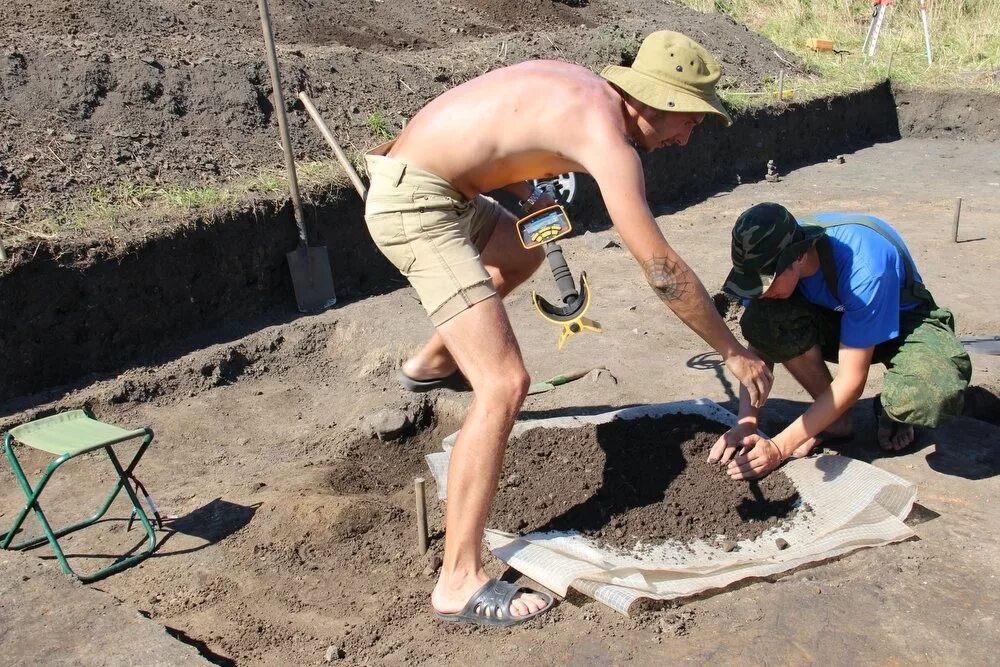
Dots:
pixel 490 606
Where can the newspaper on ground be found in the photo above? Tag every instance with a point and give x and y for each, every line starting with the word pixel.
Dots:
pixel 852 505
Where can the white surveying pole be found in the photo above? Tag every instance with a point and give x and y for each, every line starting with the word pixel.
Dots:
pixel 927 31
pixel 875 27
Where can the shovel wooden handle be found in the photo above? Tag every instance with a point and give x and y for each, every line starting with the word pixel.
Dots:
pixel 279 110
pixel 337 150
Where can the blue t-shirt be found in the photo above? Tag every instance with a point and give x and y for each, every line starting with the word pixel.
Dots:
pixel 870 275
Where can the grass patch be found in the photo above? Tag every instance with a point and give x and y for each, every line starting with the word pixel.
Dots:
pixel 378 127
pixel 616 48
pixel 111 208
pixel 965 43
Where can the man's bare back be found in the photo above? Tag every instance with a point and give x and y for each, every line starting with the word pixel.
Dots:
pixel 530 120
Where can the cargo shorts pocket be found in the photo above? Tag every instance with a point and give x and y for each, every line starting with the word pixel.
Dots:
pixel 389 234
pixel 441 215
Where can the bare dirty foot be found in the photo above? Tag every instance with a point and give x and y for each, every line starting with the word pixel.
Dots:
pixel 891 435
pixel 805 448
pixel 894 436
pixel 841 429
pixel 451 599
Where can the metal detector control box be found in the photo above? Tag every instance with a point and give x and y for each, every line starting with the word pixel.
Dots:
pixel 543 226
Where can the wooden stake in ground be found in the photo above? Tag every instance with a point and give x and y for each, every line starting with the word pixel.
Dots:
pixel 418 492
pixel 781 85
pixel 958 212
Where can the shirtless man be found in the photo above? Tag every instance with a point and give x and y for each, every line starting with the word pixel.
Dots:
pixel 460 251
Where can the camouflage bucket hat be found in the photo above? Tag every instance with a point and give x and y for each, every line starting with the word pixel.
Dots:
pixel 766 240
pixel 672 72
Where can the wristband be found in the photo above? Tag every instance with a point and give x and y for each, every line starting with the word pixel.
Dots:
pixel 535 195
pixel 781 457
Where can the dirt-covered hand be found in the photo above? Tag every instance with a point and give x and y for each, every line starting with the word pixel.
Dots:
pixel 762 458
pixel 729 443
pixel 752 374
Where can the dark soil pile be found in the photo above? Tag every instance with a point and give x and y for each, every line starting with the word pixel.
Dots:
pixel 632 481
pixel 102 100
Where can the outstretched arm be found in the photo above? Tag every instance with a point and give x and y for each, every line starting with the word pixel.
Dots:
pixel 619 175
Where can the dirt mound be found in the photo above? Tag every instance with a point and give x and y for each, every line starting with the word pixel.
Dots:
pixel 113 103
pixel 634 481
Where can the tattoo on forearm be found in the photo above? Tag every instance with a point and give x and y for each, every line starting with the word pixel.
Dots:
pixel 665 277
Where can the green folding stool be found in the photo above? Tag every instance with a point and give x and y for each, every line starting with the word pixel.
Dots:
pixel 67 435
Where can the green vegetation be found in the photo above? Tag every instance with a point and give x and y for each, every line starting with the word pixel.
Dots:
pixel 965 42
pixel 965 36
pixel 113 207
pixel 616 47
pixel 378 127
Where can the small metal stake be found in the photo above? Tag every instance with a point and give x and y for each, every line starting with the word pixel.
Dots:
pixel 958 212
pixel 3 253
pixel 418 489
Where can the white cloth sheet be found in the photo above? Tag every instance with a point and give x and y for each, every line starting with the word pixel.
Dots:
pixel 853 505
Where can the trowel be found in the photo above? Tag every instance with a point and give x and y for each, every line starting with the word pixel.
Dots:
pixel 982 344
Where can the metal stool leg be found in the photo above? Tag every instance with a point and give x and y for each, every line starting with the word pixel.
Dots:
pixel 32 495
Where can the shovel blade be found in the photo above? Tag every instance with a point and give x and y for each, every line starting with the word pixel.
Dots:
pixel 311 278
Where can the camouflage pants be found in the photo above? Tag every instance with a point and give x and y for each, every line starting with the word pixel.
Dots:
pixel 928 370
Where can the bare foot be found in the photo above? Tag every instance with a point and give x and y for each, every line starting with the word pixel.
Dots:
pixel 805 448
pixel 894 436
pixel 841 428
pixel 891 435
pixel 448 599
pixel 436 369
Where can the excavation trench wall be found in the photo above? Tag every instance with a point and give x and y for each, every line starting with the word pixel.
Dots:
pixel 72 309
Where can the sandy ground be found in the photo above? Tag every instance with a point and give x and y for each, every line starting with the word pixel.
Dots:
pixel 271 560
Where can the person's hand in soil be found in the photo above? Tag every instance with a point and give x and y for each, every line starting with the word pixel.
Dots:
pixel 763 457
pixel 730 442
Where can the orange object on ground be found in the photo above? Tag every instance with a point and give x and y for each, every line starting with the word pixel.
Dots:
pixel 817 44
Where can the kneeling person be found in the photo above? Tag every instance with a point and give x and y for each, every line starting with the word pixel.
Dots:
pixel 840 288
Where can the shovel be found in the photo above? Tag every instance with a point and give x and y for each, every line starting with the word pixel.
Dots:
pixel 309 265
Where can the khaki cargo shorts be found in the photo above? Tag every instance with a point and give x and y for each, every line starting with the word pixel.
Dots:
pixel 432 234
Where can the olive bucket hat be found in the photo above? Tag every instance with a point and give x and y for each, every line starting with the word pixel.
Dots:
pixel 766 240
pixel 672 72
